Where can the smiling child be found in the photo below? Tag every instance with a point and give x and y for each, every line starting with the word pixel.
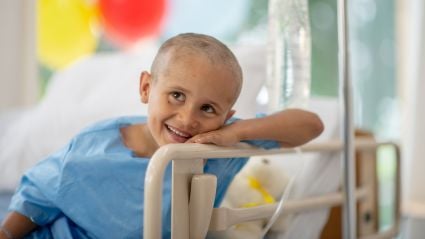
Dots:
pixel 93 187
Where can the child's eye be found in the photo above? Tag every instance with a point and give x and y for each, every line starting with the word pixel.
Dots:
pixel 178 96
pixel 207 108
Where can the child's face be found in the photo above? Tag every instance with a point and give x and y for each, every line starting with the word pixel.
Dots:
pixel 191 96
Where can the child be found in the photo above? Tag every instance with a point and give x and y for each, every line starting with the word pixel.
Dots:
pixel 93 187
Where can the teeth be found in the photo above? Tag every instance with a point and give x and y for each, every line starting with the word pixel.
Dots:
pixel 177 132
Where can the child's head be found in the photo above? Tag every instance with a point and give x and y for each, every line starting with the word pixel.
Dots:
pixel 194 82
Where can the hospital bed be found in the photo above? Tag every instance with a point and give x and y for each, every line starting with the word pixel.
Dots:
pixel 193 192
pixel 81 95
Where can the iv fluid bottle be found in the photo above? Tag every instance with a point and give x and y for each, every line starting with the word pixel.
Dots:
pixel 288 55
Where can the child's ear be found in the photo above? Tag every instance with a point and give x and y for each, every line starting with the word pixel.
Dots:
pixel 230 114
pixel 145 86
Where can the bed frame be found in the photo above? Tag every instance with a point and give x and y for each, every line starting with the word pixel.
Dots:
pixel 193 192
pixel 367 209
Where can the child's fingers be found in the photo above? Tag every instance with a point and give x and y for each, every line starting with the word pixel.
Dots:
pixel 203 139
pixel 195 139
pixel 191 140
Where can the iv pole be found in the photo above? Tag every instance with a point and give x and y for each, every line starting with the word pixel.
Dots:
pixel 347 131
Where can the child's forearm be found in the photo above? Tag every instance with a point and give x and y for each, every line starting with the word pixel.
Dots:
pixel 290 127
pixel 16 226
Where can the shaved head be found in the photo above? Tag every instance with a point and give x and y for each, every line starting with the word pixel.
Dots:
pixel 200 45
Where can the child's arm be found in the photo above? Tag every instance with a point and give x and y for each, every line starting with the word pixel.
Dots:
pixel 291 128
pixel 16 225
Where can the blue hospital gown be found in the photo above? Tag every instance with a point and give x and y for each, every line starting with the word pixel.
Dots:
pixel 93 187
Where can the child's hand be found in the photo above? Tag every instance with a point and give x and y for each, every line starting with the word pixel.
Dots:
pixel 220 137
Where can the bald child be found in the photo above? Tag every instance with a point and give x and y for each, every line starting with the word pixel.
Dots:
pixel 93 187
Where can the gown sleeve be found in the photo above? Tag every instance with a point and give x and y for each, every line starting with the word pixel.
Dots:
pixel 35 197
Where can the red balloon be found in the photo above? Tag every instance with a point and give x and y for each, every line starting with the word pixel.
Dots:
pixel 127 21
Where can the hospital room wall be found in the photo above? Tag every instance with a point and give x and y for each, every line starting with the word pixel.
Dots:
pixel 18 65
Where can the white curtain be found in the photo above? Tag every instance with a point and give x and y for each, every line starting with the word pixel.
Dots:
pixel 18 63
pixel 411 80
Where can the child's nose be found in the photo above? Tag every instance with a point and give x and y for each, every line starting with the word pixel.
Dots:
pixel 189 118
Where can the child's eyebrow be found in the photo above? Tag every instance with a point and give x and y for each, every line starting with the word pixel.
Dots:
pixel 179 88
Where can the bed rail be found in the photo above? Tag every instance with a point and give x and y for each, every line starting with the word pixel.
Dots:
pixel 188 161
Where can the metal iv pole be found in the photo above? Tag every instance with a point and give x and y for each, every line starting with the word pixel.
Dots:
pixel 347 131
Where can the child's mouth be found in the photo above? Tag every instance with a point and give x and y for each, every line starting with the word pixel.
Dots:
pixel 177 135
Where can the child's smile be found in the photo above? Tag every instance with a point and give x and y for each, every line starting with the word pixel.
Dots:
pixel 177 135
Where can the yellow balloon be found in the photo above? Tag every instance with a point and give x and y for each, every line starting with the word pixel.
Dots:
pixel 65 31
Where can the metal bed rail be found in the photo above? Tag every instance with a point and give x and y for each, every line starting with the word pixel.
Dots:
pixel 192 208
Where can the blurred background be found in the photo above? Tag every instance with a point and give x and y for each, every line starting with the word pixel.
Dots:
pixel 45 36
pixel 41 39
